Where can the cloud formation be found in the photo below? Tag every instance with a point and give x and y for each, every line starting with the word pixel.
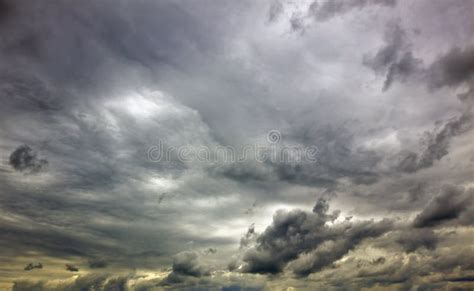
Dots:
pixel 24 159
pixel 91 90
pixel 453 203
pixel 305 242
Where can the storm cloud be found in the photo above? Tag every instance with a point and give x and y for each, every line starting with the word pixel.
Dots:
pixel 449 205
pixel 305 242
pixel 236 145
pixel 24 159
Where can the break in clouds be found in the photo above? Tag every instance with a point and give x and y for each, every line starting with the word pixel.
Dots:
pixel 368 106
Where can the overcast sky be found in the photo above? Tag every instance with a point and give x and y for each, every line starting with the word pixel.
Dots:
pixel 376 96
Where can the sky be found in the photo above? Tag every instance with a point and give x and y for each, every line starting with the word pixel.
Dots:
pixel 236 145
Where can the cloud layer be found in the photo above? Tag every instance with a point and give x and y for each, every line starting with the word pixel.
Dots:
pixel 382 93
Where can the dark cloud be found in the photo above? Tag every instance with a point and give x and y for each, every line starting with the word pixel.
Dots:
pixel 305 242
pixel 337 157
pixel 378 261
pixel 87 282
pixel 187 264
pixel 324 10
pixel 416 192
pixel 90 86
pixel 32 266
pixel 447 206
pixel 401 70
pixel 6 10
pixel 52 242
pixel 275 10
pixel 26 92
pixel 210 251
pixel 71 268
pixel 252 209
pixel 24 159
pixel 459 258
pixel 97 263
pixel 248 237
pixel 394 60
pixel 436 144
pixel 452 68
pixel 413 239
pixel 110 39
pixel 186 268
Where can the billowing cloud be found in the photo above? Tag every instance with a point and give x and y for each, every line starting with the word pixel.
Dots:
pixel 447 206
pixel 305 243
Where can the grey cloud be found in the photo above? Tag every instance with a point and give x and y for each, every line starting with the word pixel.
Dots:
pixel 297 22
pixel 101 282
pixel 24 159
pixel 32 266
pixel 327 9
pixel 416 192
pixel 231 73
pixel 248 237
pixel 294 234
pixel 436 144
pixel 395 59
pixel 97 263
pixel 24 91
pixel 210 251
pixel 400 272
pixel 253 209
pixel 447 206
pixel 5 9
pixel 275 10
pixel 452 68
pixel 247 171
pixel 461 258
pixel 233 265
pixel 413 239
pixel 187 264
pixel 332 250
pixel 378 261
pixel 71 268
pixel 337 157
pixel 406 66
pixel 186 268
pixel 133 281
pixel 110 38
